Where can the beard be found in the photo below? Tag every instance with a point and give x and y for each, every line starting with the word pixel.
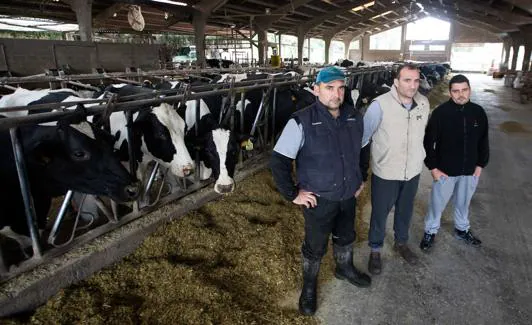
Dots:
pixel 334 105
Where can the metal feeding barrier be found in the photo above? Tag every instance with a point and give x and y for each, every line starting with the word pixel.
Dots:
pixel 176 188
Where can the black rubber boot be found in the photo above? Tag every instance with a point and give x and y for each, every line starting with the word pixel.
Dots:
pixel 343 255
pixel 308 298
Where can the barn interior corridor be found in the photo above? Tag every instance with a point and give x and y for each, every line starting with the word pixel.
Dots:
pixel 455 283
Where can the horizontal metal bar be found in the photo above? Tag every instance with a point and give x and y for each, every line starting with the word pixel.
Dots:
pixel 126 106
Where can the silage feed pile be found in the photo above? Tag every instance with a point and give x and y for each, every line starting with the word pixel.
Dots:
pixel 440 93
pixel 233 261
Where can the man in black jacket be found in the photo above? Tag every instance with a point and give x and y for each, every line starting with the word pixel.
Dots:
pixel 457 147
pixel 325 141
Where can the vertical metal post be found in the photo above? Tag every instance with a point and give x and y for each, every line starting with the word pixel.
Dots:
pixel 266 121
pixel 130 140
pixel 29 208
pixel 196 149
pixel 60 216
pixel 131 151
pixel 250 38
pixel 151 179
pixel 243 99
pixel 274 109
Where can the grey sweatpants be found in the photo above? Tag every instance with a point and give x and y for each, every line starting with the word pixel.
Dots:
pixel 463 188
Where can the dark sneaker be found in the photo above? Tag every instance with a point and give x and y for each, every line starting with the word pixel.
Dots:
pixel 468 237
pixel 406 253
pixel 374 263
pixel 427 242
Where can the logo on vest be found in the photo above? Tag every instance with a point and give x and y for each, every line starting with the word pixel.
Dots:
pixel 419 117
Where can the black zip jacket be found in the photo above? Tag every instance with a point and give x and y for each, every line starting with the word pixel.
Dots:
pixel 456 138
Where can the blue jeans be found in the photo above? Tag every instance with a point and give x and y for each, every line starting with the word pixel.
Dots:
pixel 463 188
pixel 386 194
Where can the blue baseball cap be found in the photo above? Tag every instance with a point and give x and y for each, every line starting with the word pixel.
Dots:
pixel 329 74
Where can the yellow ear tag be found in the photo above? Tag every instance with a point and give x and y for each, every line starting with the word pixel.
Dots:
pixel 294 98
pixel 248 145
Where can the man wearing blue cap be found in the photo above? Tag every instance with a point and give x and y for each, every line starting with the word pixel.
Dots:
pixel 325 141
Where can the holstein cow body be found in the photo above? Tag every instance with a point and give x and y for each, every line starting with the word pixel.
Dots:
pixel 70 154
pixel 158 134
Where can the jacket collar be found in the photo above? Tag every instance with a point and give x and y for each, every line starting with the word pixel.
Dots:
pixel 457 106
pixel 322 109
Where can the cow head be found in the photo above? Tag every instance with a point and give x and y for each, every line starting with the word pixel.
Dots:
pixel 163 132
pixel 221 155
pixel 76 155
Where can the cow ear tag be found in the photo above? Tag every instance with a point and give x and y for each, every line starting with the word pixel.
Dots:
pixel 248 145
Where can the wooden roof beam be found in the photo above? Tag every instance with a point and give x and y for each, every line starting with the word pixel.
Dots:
pixel 365 18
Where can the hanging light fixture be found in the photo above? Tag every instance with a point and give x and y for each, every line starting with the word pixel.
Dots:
pixel 176 3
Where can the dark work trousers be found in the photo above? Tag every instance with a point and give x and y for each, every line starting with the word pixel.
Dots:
pixel 336 217
pixel 384 195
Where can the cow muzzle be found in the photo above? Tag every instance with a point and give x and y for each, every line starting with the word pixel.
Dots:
pixel 131 192
pixel 188 170
pixel 224 189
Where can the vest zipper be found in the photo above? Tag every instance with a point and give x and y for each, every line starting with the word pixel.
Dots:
pixel 407 142
pixel 465 142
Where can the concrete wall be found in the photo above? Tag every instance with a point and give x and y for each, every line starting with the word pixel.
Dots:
pixel 377 55
pixel 459 34
pixel 29 57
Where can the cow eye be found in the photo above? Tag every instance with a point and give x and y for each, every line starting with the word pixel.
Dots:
pixel 80 155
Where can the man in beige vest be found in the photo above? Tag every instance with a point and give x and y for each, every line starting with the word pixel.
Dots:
pixel 395 123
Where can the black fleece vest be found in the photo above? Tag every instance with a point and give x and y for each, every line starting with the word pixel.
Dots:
pixel 328 162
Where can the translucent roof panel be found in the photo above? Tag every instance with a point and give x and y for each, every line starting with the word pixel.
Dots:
pixel 25 24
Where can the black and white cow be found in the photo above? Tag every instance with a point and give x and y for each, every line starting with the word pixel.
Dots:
pixel 219 146
pixel 71 154
pixel 219 63
pixel 158 134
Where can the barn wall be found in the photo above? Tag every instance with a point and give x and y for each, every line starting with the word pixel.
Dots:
pixel 378 55
pixel 459 34
pixel 29 57
pixel 355 55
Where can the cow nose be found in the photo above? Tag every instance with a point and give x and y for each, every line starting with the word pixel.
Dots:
pixel 224 189
pixel 188 170
pixel 132 191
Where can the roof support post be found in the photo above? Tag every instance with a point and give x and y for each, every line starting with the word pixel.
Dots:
pixel 403 48
pixel 507 45
pixel 347 42
pixel 514 56
pixel 83 10
pixel 279 49
pixel 328 40
pixel 300 42
pixel 199 20
pixel 263 43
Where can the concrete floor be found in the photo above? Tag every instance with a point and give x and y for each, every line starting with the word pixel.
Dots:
pixel 455 283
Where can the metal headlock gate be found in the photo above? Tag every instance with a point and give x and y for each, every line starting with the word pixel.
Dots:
pixel 176 188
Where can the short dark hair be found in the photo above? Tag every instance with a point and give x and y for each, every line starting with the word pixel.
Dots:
pixel 458 79
pixel 407 66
